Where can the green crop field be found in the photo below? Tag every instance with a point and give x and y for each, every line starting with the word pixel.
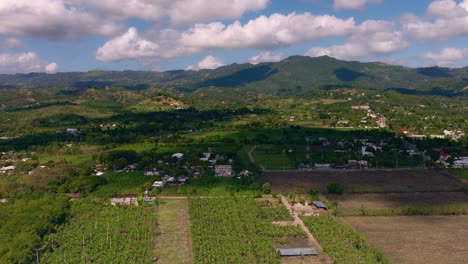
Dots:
pixel 235 221
pixel 104 234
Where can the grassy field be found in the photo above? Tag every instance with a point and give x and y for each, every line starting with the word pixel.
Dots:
pixel 401 203
pixel 173 242
pixel 417 239
pixel 461 173
pixel 362 181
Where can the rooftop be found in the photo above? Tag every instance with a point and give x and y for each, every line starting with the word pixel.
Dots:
pixel 290 252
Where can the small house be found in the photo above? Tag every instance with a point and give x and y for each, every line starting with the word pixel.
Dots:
pixel 73 131
pixel 295 252
pixel 182 179
pixel 322 165
pixel 130 199
pixel 178 155
pixel 158 184
pixel 149 199
pixel 320 205
pixel 152 172
pixel 223 170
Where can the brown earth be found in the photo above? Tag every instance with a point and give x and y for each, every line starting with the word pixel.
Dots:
pixel 366 181
pixel 417 239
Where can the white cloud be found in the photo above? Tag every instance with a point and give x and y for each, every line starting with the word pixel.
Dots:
pixel 117 9
pixel 260 33
pixel 372 37
pixel 448 56
pixel 449 19
pixel 266 56
pixel 177 11
pixel 51 67
pixel 188 11
pixel 266 32
pixel 11 44
pixel 209 62
pixel 353 4
pixel 51 19
pixel 127 46
pixel 24 63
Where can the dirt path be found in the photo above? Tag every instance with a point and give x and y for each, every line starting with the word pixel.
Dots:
pixel 252 159
pixel 312 241
pixel 173 242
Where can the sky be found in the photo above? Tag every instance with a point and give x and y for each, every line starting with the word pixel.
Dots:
pixel 82 35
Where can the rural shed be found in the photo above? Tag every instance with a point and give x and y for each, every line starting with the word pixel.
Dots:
pixel 292 252
pixel 319 204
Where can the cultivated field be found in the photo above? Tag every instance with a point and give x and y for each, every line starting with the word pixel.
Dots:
pixel 417 239
pixel 367 181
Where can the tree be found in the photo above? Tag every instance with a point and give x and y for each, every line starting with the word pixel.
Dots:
pixel 266 188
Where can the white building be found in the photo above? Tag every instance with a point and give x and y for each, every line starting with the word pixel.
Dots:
pixel 223 170
pixel 461 162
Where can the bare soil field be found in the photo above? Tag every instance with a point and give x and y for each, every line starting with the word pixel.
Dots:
pixel 367 181
pixel 417 239
pixel 350 202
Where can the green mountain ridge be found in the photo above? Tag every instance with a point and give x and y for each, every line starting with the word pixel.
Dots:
pixel 295 72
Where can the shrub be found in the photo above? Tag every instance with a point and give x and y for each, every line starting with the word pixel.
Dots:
pixel 335 188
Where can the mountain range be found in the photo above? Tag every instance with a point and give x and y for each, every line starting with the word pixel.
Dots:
pixel 295 72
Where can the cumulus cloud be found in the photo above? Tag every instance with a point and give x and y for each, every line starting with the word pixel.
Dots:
pixel 353 4
pixel 447 56
pixel 188 11
pixel 372 37
pixel 447 19
pixel 266 56
pixel 149 10
pixel 260 33
pixel 51 68
pixel 209 62
pixel 25 63
pixel 127 46
pixel 51 19
pixel 11 44
pixel 266 32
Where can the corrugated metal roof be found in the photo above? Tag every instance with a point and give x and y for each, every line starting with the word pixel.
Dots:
pixel 319 204
pixel 289 252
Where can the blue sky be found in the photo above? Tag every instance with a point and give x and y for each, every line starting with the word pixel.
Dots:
pixel 81 35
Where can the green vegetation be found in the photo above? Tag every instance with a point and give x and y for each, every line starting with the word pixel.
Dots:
pixel 234 221
pixel 335 188
pixel 461 173
pixel 25 222
pixel 104 234
pixel 441 209
pixel 341 242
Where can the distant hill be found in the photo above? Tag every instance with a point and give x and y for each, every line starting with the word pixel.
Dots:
pixel 296 72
